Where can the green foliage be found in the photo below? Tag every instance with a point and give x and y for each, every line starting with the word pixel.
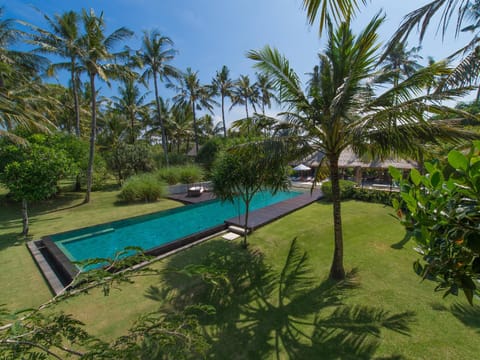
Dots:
pixel 374 196
pixel 128 159
pixel 144 187
pixel 209 151
pixel 186 174
pixel 32 172
pixel 442 209
pixel 100 174
pixel 247 169
pixel 346 189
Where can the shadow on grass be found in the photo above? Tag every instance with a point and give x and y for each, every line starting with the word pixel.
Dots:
pixel 12 239
pixel 468 315
pixel 399 245
pixel 262 313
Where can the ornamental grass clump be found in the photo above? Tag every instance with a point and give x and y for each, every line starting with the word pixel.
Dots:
pixel 186 174
pixel 144 187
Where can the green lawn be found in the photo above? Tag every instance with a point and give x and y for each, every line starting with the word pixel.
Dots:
pixel 19 277
pixel 440 328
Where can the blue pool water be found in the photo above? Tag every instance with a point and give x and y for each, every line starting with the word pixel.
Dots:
pixel 153 230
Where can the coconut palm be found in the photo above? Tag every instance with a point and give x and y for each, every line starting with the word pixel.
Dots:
pixel 194 94
pixel 244 93
pixel 265 91
pixel 155 55
pixel 338 10
pixel 401 63
pixel 131 104
pixel 95 53
pixel 21 91
pixel 223 85
pixel 63 40
pixel 340 110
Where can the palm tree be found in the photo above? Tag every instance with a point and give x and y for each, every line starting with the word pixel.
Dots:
pixel 400 62
pixel 339 109
pixel 244 93
pixel 63 40
pixel 265 91
pixel 338 10
pixel 95 51
pixel 131 104
pixel 155 55
pixel 223 85
pixel 194 94
pixel 22 99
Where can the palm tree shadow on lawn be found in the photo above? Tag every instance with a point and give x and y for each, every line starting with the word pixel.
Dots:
pixel 263 313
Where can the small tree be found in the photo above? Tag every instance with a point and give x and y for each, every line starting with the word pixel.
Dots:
pixel 32 173
pixel 442 210
pixel 244 170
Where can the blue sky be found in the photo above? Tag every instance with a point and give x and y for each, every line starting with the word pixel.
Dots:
pixel 211 33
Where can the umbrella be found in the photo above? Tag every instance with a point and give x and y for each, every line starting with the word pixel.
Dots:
pixel 301 167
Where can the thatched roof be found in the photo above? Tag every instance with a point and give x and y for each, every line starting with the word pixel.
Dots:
pixel 348 159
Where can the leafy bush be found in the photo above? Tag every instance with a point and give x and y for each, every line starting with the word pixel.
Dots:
pixel 145 187
pixel 190 174
pixel 346 189
pixel 374 196
pixel 180 174
pixel 441 209
pixel 127 159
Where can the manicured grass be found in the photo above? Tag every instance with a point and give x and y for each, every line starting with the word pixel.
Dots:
pixel 19 276
pixel 441 328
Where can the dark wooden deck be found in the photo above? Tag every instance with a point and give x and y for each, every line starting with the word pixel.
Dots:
pixel 183 198
pixel 270 213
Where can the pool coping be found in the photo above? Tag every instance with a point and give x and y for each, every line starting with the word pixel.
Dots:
pixel 59 271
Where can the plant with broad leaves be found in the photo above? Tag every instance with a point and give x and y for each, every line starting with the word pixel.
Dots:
pixel 442 209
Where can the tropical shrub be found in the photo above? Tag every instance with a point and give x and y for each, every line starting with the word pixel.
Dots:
pixel 374 196
pixel 442 210
pixel 144 187
pixel 346 189
pixel 186 174
pixel 128 159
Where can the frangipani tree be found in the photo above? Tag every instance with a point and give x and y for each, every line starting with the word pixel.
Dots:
pixel 340 109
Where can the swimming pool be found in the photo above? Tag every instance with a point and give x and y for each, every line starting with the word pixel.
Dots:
pixel 154 230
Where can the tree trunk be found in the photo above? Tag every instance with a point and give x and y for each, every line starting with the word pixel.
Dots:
pixel 160 120
pixel 75 97
pixel 245 226
pixel 92 140
pixel 248 123
pixel 337 272
pixel 24 217
pixel 195 127
pixel 223 117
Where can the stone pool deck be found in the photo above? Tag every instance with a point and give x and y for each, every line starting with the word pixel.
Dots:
pixel 273 212
pixel 259 217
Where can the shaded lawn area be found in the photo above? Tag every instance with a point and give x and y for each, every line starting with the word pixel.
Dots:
pixel 21 282
pixel 385 311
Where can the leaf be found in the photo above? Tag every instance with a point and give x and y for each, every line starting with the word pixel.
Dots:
pixel 415 176
pixel 436 179
pixel 395 173
pixel 457 160
pixel 469 295
pixel 417 267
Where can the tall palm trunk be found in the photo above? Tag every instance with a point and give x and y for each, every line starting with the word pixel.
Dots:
pixel 24 217
pixel 77 112
pixel 160 119
pixel 195 126
pixel 75 97
pixel 92 140
pixel 248 121
pixel 337 272
pixel 223 116
pixel 245 226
